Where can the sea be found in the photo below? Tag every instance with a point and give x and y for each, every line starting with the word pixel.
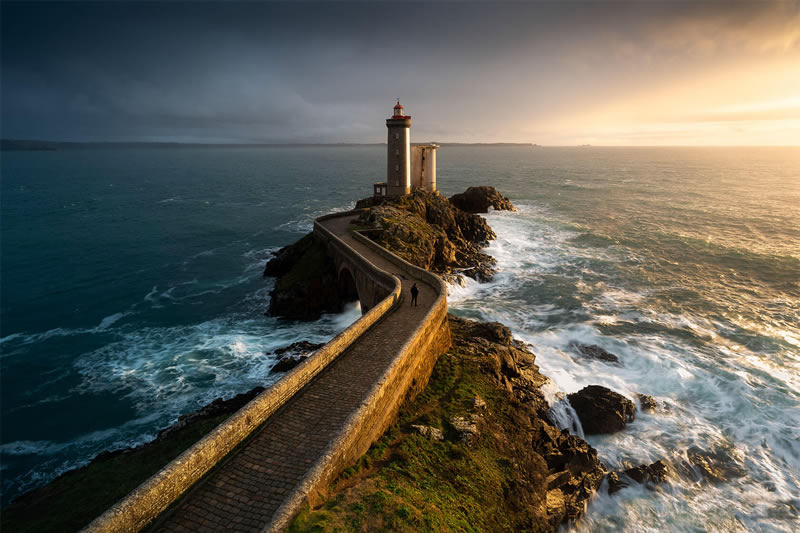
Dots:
pixel 131 292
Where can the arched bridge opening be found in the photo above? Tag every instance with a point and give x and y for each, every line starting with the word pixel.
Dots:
pixel 348 291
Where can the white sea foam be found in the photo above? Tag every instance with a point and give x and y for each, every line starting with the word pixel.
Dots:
pixel 715 394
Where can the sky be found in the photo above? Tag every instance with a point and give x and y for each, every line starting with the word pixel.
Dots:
pixel 554 73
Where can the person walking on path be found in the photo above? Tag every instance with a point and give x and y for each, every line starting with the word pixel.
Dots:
pixel 414 293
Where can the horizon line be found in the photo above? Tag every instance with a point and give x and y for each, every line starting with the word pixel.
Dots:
pixel 20 144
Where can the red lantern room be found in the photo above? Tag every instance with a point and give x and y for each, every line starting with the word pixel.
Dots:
pixel 398 111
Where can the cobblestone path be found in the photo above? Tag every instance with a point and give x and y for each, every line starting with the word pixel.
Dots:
pixel 243 492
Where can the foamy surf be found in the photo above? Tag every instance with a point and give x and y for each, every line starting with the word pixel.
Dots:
pixel 714 395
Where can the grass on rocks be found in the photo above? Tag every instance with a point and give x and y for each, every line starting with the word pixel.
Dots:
pixel 409 482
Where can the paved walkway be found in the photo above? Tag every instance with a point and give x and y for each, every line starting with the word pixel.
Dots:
pixel 245 490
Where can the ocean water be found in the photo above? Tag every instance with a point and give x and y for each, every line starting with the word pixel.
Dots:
pixel 131 293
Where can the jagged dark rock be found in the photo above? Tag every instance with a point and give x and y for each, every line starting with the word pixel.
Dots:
pixel 646 402
pixel 648 475
pixel 480 199
pixel 306 284
pixel 602 410
pixel 718 465
pixel 593 351
pixel 293 355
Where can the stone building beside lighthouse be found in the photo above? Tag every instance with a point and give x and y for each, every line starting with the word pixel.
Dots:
pixel 407 167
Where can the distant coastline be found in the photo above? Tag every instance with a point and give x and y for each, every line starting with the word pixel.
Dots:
pixel 29 145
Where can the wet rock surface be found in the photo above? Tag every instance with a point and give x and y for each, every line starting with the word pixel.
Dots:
pixel 648 475
pixel 646 402
pixel 602 410
pixel 718 465
pixel 593 351
pixel 480 199
pixel 293 355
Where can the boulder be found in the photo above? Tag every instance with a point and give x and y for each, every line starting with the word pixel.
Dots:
pixel 467 428
pixel 648 475
pixel 646 402
pixel 293 355
pixel 718 465
pixel 430 432
pixel 593 351
pixel 480 199
pixel 602 410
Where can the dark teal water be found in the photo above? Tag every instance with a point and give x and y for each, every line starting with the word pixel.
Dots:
pixel 131 293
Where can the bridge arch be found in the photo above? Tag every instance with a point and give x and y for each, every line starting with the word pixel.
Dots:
pixel 348 290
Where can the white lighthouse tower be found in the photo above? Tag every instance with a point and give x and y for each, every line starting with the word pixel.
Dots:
pixel 398 170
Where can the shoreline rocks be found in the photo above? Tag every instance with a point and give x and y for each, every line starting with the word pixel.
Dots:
pixel 647 475
pixel 307 285
pixel 293 355
pixel 480 199
pixel 593 351
pixel 427 230
pixel 602 410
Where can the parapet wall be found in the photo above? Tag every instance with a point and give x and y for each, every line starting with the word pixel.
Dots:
pixel 152 497
pixel 404 379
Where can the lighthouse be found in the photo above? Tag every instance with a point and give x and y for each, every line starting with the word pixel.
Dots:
pixel 398 169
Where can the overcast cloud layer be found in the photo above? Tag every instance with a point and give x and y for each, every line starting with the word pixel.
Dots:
pixel 552 73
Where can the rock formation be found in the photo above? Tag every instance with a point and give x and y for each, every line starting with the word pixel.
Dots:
pixel 593 351
pixel 293 355
pixel 648 475
pixel 427 230
pixel 602 410
pixel 306 284
pixel 480 199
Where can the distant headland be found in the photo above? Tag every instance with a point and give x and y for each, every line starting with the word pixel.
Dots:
pixel 30 145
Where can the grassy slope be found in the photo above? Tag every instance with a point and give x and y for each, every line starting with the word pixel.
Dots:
pixel 407 482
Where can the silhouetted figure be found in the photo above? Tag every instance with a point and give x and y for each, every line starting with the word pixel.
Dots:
pixel 414 293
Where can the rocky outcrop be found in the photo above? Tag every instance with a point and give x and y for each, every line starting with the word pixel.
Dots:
pixel 480 199
pixel 293 355
pixel 648 475
pixel 593 351
pixel 602 410
pixel 646 402
pixel 423 228
pixel 306 284
pixel 428 231
pixel 718 465
pixel 567 466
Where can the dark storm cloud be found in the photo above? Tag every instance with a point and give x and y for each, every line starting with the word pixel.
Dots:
pixel 328 72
